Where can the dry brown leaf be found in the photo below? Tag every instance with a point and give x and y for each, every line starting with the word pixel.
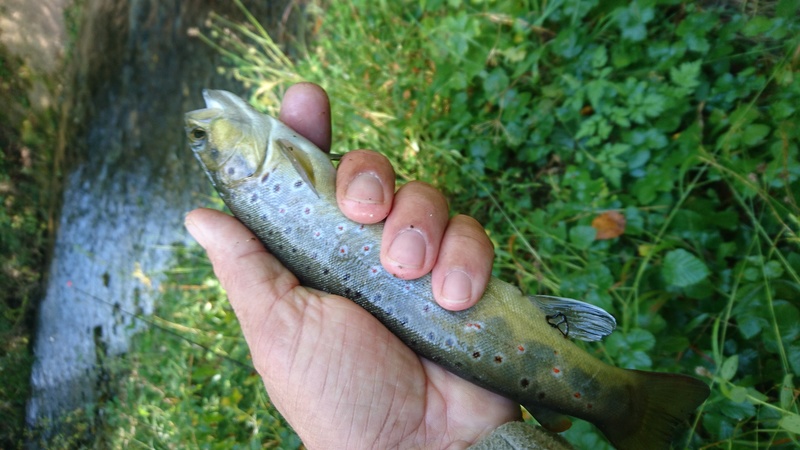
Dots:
pixel 609 225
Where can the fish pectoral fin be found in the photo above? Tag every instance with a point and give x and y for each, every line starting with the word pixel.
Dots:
pixel 299 161
pixel 549 419
pixel 574 318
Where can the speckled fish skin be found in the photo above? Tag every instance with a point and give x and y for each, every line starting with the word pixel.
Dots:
pixel 283 188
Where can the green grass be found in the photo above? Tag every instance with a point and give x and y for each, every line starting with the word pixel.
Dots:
pixel 682 117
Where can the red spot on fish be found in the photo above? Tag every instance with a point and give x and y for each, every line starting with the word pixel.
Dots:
pixel 374 270
pixel 342 250
pixel 577 395
pixel 341 228
pixel 307 210
pixel 521 348
pixel 282 210
pixel 477 326
pixel 361 227
pixel 69 283
pixel 366 248
pixel 556 370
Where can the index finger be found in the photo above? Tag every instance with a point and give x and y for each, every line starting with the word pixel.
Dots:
pixel 307 110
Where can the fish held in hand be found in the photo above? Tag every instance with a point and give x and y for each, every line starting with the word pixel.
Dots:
pixel 282 187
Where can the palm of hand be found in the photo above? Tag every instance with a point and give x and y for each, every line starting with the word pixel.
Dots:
pixel 336 368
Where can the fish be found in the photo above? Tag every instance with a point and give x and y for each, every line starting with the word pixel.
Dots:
pixel 282 187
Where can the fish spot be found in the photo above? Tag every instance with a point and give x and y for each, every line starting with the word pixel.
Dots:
pixel 577 395
pixel 541 395
pixel 231 171
pixel 347 292
pixel 265 177
pixel 373 270
pixel 339 229
pixel 377 298
pixel 263 217
pixel 282 209
pixel 326 271
pixel 476 355
pixel 498 359
pixel 404 321
pixel 317 234
pixel 346 277
pixel 520 348
pixel 294 250
pixel 449 342
pixel 254 197
pixel 426 308
pixel 357 295
pixel 307 210
pixel 431 336
pixel 389 311
pixel 557 372
pixel 588 406
pixel 524 383
pixel 298 184
pixel 276 188
pixel 555 352
pixel 343 250
pixel 473 326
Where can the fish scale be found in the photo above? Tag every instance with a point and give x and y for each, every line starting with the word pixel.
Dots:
pixel 283 188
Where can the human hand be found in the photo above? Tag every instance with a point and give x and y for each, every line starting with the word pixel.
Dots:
pixel 338 376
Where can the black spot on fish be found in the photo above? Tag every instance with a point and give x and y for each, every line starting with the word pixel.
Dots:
pixel 404 321
pixel 541 395
pixel 377 297
pixel 431 336
pixel 347 292
pixel 449 342
pixel 254 197
pixel 297 184
pixel 307 268
pixel 325 271
pixel 346 277
pixel 524 383
pixel 265 177
pixel 498 359
pixel 294 250
pixel 426 308
pixel 389 311
pixel 357 295
pixel 476 355
pixel 277 188
pixel 231 170
pixel 263 217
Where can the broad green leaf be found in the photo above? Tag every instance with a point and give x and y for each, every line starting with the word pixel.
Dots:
pixel 729 368
pixel 686 74
pixel 582 236
pixel 755 133
pixel 790 422
pixel 682 268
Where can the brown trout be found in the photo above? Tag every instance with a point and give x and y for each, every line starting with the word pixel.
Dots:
pixel 281 186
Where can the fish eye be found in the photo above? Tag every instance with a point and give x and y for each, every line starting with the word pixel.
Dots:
pixel 198 134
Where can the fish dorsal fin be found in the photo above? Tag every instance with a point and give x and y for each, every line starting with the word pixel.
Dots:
pixel 299 161
pixel 574 318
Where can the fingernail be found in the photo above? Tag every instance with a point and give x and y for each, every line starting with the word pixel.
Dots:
pixel 457 287
pixel 408 250
pixel 365 188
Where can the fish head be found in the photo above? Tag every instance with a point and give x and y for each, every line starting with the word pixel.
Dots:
pixel 229 138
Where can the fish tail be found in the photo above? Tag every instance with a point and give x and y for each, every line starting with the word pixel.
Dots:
pixel 658 404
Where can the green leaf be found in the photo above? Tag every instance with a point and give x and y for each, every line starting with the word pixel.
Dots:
pixel 686 75
pixel 787 391
pixel 754 133
pixel 790 422
pixel 729 368
pixel 682 269
pixel 582 236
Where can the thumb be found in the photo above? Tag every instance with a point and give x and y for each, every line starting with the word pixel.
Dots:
pixel 252 277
